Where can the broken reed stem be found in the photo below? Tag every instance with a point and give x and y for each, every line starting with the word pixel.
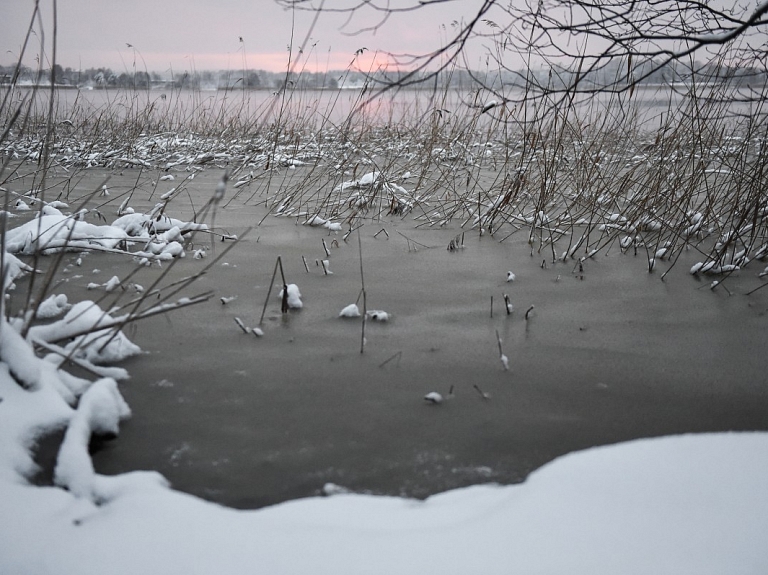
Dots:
pixel 241 325
pixel 68 357
pixel 507 304
pixel 414 242
pixel 362 287
pixel 397 355
pixel 480 391
pixel 303 259
pixel 498 340
pixel 362 334
pixel 120 323
pixel 757 288
pixel 269 291
pixel 528 311
pixel 284 303
pixel 491 306
pixel 325 247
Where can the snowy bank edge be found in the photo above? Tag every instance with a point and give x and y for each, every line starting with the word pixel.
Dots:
pixel 595 511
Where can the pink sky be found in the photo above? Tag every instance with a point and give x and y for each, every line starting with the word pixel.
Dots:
pixel 205 34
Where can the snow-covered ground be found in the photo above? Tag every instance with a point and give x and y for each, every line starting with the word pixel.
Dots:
pixel 693 504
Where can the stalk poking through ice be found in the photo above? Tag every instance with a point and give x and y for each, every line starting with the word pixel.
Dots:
pixel 528 311
pixel 362 287
pixel 397 356
pixel 248 330
pixel 284 304
pixel 504 359
pixel 218 195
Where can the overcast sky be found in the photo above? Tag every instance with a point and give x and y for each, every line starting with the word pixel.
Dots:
pixel 205 34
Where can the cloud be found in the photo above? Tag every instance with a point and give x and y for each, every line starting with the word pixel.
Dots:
pixel 205 34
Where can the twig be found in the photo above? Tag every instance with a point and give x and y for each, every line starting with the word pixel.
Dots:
pixel 284 303
pixel 121 322
pixel 498 340
pixel 414 242
pixel 757 288
pixel 362 287
pixel 528 311
pixel 269 291
pixel 398 355
pixel 241 325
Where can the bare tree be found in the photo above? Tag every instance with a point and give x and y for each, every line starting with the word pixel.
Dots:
pixel 586 46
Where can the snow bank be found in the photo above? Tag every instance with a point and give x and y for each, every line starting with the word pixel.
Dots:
pixel 13 267
pixel 144 225
pixel 56 231
pixel 100 410
pixel 24 415
pixel 99 346
pixel 679 505
pixel 53 306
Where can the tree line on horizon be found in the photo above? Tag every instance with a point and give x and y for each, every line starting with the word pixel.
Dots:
pixel 103 77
